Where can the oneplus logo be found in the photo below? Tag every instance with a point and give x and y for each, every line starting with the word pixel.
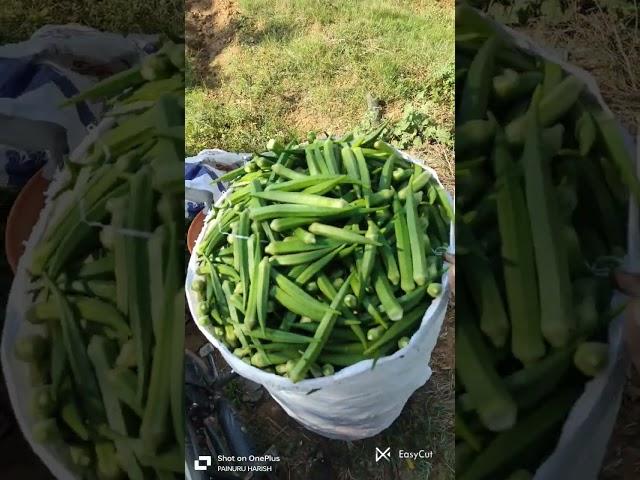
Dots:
pixel 202 463
pixel 386 454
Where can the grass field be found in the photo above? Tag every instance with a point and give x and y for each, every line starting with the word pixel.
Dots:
pixel 20 18
pixel 280 68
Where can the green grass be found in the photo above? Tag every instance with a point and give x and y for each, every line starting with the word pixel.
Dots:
pixel 20 18
pixel 296 66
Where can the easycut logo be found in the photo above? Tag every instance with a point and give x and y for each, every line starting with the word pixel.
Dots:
pixel 202 463
pixel 415 455
pixel 386 454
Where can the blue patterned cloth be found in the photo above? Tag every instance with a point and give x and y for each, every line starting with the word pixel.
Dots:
pixel 200 173
pixel 37 76
pixel 22 82
pixel 20 166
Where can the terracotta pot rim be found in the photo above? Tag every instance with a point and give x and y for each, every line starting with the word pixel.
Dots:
pixel 194 230
pixel 13 241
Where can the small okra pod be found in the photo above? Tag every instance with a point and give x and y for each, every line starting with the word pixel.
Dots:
pixel 282 368
pixel 242 352
pixel 283 224
pixel 32 348
pixel 312 163
pixel 230 335
pixel 351 167
pixel 46 430
pixel 381 197
pixel 477 88
pixel 591 357
pixel 231 239
pixel 386 173
pixel 262 300
pixel 585 132
pixel 351 301
pixel 417 245
pixel 262 359
pixel 416 184
pixel 299 184
pixel 404 247
pixel 369 255
pixel 375 333
pixel 285 172
pixel 280 339
pixel 339 234
pixel 375 314
pixel 319 158
pixel 199 285
pixel 305 301
pixel 251 167
pixel 275 146
pixel 356 285
pixel 383 146
pixel 315 370
pixel 390 263
pixel 285 210
pixel 294 305
pixel 329 157
pixel 363 170
pixel 401 174
pixel 328 370
pixel 218 332
pixel 306 237
pixel 301 199
pixel 313 268
pixel 391 306
pixel 300 258
pixel 264 163
pixel 329 185
pixel 396 330
pixel 434 289
pixel 295 245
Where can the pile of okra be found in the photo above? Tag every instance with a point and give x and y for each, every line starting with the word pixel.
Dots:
pixel 106 365
pixel 542 184
pixel 322 255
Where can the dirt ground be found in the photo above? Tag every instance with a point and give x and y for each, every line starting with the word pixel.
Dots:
pixel 623 457
pixel 210 29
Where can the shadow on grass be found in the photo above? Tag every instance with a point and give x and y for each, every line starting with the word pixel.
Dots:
pixel 275 29
pixel 207 39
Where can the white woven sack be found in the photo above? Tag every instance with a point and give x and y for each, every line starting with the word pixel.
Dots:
pixel 582 446
pixel 16 326
pixel 359 401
